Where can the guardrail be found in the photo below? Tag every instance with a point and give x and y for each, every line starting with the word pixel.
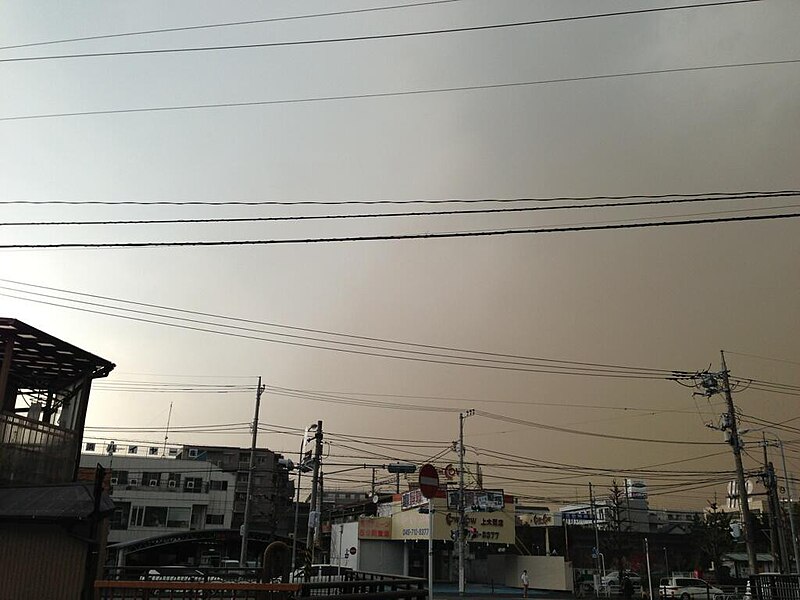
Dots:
pixel 193 590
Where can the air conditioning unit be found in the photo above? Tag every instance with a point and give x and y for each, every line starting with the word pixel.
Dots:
pixel 193 452
pixel 190 485
pixel 154 483
pixel 172 483
pixel 114 481
pixel 133 481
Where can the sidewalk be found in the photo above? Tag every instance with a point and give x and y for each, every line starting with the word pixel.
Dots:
pixel 479 591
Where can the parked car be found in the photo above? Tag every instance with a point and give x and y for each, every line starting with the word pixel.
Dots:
pixel 612 578
pixel 687 588
pixel 322 573
pixel 610 583
pixel 178 573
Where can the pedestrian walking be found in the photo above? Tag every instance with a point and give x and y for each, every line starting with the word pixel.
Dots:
pixel 526 581
pixel 627 588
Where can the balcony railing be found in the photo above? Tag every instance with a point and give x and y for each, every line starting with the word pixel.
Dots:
pixel 32 452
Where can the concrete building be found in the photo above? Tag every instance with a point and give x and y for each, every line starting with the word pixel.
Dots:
pixel 159 496
pixel 272 508
pixel 395 538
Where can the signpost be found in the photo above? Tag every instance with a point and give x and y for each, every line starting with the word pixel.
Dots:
pixel 429 485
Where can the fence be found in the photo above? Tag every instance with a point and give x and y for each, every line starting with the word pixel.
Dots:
pixel 774 587
pixel 35 452
pixel 187 583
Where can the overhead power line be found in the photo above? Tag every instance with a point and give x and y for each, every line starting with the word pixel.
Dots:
pixel 336 13
pixel 373 341
pixel 225 203
pixel 407 236
pixel 607 436
pixel 767 358
pixel 415 356
pixel 383 36
pixel 459 212
pixel 465 88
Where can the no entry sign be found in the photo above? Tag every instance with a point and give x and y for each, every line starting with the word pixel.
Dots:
pixel 428 480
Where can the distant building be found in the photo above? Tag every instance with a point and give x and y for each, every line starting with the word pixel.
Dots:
pixel 272 508
pixel 50 524
pixel 635 514
pixel 158 496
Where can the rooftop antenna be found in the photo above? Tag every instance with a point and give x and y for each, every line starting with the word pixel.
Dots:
pixel 166 431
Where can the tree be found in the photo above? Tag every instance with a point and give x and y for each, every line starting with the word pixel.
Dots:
pixel 711 536
pixel 618 526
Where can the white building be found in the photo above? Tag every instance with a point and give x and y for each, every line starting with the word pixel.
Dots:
pixel 156 496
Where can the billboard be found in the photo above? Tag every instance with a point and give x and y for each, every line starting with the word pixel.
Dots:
pixel 477 500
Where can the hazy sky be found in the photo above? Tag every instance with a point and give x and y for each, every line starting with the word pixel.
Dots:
pixel 666 298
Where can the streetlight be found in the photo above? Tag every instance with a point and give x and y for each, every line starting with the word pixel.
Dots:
pixel 302 467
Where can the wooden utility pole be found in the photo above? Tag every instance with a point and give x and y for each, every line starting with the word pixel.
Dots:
pixel 736 444
pixel 250 470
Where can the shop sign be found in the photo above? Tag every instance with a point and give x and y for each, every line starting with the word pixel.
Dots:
pixel 374 528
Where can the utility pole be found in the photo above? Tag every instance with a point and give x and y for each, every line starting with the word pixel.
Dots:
pixel 596 531
pixel 777 522
pixel 313 515
pixel 769 483
pixel 462 516
pixel 791 510
pixel 251 468
pixel 736 444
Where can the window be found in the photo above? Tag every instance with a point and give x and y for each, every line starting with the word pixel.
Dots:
pixel 121 477
pixel 193 452
pixel 120 516
pixel 174 480
pixel 155 516
pixel 179 517
pixel 215 519
pixel 137 516
pixel 242 477
pixel 219 486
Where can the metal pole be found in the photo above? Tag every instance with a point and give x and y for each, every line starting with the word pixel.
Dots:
pixel 791 509
pixel 649 576
pixel 737 457
pixel 596 531
pixel 666 560
pixel 430 548
pixel 166 431
pixel 773 528
pixel 297 500
pixel 461 508
pixel 251 468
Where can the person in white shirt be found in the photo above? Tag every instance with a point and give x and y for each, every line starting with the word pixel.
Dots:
pixel 525 583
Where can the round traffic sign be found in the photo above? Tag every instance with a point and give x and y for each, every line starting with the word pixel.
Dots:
pixel 428 480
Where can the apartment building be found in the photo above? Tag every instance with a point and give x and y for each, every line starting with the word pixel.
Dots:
pixel 155 496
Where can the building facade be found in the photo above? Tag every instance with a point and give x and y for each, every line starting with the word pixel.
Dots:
pixel 272 508
pixel 159 496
